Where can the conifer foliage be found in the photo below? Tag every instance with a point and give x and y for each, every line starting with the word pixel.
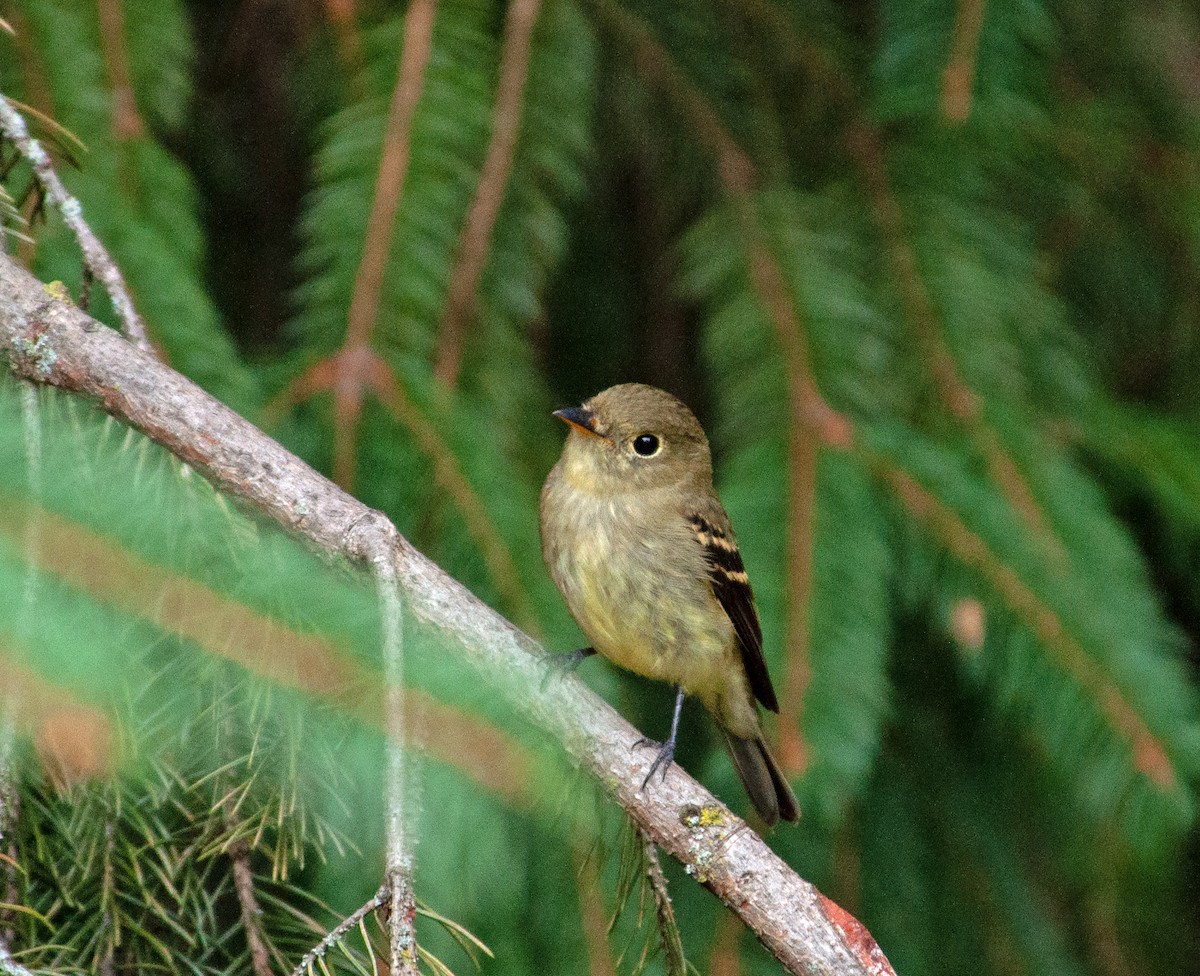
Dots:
pixel 926 271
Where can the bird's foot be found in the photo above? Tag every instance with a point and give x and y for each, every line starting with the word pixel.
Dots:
pixel 666 753
pixel 559 664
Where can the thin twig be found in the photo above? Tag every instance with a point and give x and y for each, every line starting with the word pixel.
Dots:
pixel 95 256
pixel 341 930
pixel 668 929
pixel 243 886
pixel 493 182
pixel 402 935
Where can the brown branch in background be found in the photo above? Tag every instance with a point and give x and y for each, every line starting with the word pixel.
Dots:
pixel 12 125
pixel 393 166
pixel 343 16
pixel 316 955
pixel 39 109
pixel 243 886
pixel 473 244
pixel 591 912
pixel 959 76
pixel 846 882
pixel 803 460
pixel 960 399
pixel 1149 754
pixel 34 83
pixel 866 150
pixel 653 60
pixel 1105 932
pixel 726 958
pixel 53 342
pixel 377 241
pixel 126 120
pixel 449 475
pixel 374 374
pixel 668 928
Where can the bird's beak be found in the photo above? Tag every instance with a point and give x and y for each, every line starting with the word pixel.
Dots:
pixel 580 418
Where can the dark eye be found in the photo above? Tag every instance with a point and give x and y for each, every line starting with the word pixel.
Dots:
pixel 647 445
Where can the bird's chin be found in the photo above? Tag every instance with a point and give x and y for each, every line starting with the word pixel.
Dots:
pixel 588 466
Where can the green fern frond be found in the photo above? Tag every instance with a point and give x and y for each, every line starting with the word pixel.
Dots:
pixel 1065 640
pixel 845 699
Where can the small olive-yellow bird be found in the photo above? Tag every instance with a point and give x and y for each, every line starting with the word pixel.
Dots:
pixel 640 546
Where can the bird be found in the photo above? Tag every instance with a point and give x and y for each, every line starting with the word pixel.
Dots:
pixel 642 550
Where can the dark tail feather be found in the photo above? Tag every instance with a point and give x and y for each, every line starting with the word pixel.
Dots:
pixel 763 779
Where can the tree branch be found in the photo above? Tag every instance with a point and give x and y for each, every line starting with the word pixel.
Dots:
pixel 53 342
pixel 341 930
pixel 377 241
pixel 243 886
pixel 493 183
pixel 95 257
pixel 668 930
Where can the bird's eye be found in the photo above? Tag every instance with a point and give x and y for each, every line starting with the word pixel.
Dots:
pixel 646 445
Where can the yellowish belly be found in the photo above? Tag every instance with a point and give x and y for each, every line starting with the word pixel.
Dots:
pixel 643 609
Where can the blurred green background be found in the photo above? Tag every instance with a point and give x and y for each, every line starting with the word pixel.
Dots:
pixel 927 272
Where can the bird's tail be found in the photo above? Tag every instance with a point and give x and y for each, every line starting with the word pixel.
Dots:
pixel 763 779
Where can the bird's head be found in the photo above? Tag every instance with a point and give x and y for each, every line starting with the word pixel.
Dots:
pixel 634 436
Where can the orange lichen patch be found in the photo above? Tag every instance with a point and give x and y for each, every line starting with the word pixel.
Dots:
pixel 221 625
pixel 74 740
pixel 856 938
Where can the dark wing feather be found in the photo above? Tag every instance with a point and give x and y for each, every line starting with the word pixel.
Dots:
pixel 731 585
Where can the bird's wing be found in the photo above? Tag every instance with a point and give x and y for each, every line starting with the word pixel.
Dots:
pixel 731 586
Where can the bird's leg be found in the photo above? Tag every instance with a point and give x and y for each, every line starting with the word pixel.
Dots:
pixel 560 664
pixel 666 750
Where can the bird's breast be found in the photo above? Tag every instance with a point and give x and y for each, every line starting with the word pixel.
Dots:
pixel 636 583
